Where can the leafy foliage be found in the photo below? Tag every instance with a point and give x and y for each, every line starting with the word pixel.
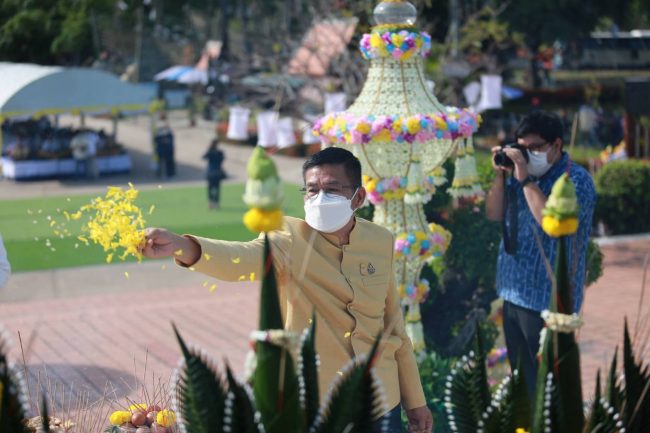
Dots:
pixel 623 196
pixel 354 400
pixel 240 408
pixel 11 407
pixel 201 392
pixel 308 365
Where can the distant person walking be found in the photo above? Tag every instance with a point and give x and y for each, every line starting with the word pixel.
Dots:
pixel 164 141
pixel 5 267
pixel 215 173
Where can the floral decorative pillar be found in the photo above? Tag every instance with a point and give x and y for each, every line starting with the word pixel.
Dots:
pixel 402 135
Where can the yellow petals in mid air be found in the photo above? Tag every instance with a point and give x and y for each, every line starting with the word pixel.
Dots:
pixel 213 288
pixel 242 277
pixel 151 209
pixel 207 256
pixel 347 334
pixel 178 252
pixel 252 276
pixel 236 260
pixel 126 274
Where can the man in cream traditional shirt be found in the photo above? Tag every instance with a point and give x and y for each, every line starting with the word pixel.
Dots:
pixel 333 263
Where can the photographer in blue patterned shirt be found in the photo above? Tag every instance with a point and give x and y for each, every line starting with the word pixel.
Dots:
pixel 535 162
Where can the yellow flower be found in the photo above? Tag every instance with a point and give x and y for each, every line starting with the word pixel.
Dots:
pixel 120 417
pixel 413 125
pixel 441 124
pixel 166 418
pixel 397 125
pixel 363 128
pixel 376 41
pixel 138 406
pixel 397 39
pixel 258 220
pixel 556 228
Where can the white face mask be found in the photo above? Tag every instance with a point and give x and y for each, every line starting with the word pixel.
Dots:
pixel 538 163
pixel 328 213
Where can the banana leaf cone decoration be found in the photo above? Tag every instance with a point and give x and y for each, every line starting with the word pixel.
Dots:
pixel 558 403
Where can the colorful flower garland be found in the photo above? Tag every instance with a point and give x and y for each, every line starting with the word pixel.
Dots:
pixel 399 45
pixel 422 244
pixel 346 128
pixel 415 293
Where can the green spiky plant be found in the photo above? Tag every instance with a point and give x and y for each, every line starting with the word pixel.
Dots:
pixel 12 398
pixel 283 398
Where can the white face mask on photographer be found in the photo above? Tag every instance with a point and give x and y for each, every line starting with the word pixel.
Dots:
pixel 538 163
pixel 328 213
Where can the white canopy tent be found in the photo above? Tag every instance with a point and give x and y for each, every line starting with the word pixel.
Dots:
pixel 33 91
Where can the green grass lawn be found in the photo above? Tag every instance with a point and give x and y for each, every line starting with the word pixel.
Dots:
pixel 32 245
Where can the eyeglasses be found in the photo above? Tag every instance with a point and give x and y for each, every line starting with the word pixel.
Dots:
pixel 536 147
pixel 330 191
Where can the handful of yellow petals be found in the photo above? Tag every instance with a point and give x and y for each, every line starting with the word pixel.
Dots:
pixel 115 222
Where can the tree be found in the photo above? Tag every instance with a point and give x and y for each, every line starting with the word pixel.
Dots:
pixel 49 31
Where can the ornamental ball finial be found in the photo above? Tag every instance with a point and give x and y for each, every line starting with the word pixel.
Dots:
pixel 395 12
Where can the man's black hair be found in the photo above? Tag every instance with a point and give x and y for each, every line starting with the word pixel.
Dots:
pixel 336 156
pixel 546 125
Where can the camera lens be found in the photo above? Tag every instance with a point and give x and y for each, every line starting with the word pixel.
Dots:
pixel 502 160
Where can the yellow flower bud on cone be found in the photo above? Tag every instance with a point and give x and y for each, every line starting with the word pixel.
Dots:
pixel 259 220
pixel 561 211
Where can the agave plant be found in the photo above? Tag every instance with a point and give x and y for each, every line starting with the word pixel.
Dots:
pixel 282 397
pixel 13 400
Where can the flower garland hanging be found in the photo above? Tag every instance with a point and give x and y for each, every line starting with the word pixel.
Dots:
pixel 380 190
pixel 347 128
pixel 422 244
pixel 415 293
pixel 399 45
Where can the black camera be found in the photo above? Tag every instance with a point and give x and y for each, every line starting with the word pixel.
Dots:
pixel 502 160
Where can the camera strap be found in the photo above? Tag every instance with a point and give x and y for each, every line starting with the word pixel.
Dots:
pixel 509 222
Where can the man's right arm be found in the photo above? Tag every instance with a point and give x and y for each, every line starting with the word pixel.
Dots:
pixel 224 260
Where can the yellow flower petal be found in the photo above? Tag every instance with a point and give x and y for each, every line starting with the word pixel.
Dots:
pixel 242 277
pixel 213 288
pixel 151 209
pixel 126 274
pixel 236 260
pixel 207 256
pixel 252 276
pixel 347 334
pixel 178 252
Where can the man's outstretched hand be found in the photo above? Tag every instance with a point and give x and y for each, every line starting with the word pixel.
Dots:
pixel 161 243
